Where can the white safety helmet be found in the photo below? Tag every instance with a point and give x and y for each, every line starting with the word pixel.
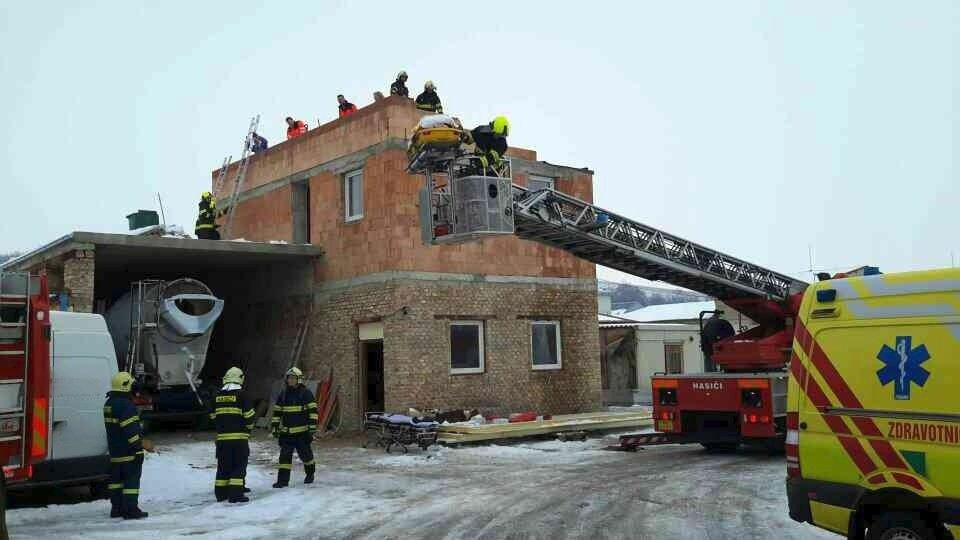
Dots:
pixel 295 372
pixel 402 74
pixel 429 85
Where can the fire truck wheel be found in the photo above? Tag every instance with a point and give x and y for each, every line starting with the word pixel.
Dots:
pixel 721 447
pixel 901 526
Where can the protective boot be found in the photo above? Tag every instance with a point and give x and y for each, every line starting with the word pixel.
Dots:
pixel 240 499
pixel 310 470
pixel 283 478
pixel 116 512
pixel 135 513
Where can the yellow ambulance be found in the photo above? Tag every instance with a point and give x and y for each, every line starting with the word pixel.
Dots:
pixel 873 411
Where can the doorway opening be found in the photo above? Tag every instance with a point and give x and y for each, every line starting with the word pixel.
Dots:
pixel 371 361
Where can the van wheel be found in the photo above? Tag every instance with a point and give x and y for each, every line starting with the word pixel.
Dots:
pixel 721 447
pixel 901 526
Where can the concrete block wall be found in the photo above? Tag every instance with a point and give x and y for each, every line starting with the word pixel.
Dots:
pixel 416 344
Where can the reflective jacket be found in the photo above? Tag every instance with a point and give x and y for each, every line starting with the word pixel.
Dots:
pixel 232 416
pixel 429 101
pixel 398 88
pixel 295 412
pixel 298 128
pixel 347 108
pixel 122 423
pixel 487 141
pixel 207 214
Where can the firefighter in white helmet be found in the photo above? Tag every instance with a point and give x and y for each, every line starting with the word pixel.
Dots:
pixel 399 86
pixel 233 417
pixel 124 439
pixel 428 100
pixel 294 422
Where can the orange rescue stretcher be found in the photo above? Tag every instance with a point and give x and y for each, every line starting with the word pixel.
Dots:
pixel 436 138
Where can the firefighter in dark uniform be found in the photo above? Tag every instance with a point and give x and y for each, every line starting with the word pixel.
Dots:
pixel 491 142
pixel 206 228
pixel 294 422
pixel 233 417
pixel 126 448
pixel 428 100
pixel 399 86
pixel 712 331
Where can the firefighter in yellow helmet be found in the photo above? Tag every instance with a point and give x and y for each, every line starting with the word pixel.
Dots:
pixel 491 144
pixel 124 439
pixel 206 227
pixel 294 422
pixel 233 417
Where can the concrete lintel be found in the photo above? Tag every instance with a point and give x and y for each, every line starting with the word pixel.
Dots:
pixel 451 278
pixel 221 246
pixel 340 165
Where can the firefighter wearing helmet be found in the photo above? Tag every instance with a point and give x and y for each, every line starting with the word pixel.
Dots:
pixel 293 423
pixel 233 417
pixel 399 86
pixel 124 438
pixel 491 144
pixel 206 227
pixel 428 100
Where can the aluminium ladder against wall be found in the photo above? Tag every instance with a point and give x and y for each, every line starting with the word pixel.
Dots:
pixel 589 232
pixel 241 175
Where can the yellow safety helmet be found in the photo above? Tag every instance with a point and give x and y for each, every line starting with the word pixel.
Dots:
pixel 121 382
pixel 295 372
pixel 206 195
pixel 501 126
pixel 429 85
pixel 233 375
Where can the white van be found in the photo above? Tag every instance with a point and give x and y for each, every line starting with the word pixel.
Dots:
pixel 82 363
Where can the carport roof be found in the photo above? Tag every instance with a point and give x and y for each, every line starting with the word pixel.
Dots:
pixel 124 250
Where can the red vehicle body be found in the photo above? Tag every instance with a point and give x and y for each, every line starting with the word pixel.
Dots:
pixel 746 402
pixel 24 362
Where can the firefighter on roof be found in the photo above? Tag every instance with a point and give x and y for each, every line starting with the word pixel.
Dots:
pixel 399 86
pixel 206 228
pixel 429 100
pixel 294 422
pixel 126 448
pixel 233 417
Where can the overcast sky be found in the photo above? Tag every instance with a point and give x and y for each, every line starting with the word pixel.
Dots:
pixel 756 128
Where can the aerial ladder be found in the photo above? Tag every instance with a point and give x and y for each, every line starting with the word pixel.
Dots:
pixel 743 402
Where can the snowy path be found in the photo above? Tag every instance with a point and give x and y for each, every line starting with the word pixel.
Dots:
pixel 532 490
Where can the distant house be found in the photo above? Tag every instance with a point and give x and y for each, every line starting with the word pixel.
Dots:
pixel 655 339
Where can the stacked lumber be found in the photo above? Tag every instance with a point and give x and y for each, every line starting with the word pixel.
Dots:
pixel 599 421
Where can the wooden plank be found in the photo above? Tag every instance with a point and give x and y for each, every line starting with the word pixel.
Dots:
pixel 588 422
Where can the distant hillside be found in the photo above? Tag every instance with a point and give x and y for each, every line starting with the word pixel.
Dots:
pixel 630 297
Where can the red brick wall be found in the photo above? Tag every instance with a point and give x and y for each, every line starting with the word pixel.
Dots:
pixel 388 236
pixel 264 218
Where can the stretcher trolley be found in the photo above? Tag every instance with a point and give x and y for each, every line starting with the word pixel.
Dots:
pixel 390 430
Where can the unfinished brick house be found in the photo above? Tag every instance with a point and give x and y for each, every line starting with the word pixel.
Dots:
pixel 500 325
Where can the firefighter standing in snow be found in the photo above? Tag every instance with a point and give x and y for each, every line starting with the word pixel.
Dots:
pixel 233 417
pixel 294 422
pixel 126 448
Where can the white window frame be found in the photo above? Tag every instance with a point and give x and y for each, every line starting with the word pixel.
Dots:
pixel 545 179
pixel 466 371
pixel 547 367
pixel 666 368
pixel 346 195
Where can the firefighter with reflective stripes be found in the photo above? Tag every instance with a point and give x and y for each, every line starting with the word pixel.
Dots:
pixel 233 417
pixel 294 422
pixel 124 438
pixel 491 144
pixel 206 227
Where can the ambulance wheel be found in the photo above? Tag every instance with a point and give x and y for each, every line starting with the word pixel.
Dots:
pixel 721 447
pixel 901 526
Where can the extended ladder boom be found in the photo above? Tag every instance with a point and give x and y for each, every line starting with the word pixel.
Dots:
pixel 564 222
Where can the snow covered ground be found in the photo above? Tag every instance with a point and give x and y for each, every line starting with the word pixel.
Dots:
pixel 547 489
